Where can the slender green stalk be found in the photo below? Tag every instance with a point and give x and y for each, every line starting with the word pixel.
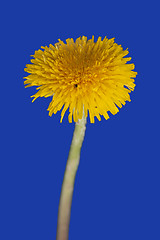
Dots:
pixel 69 179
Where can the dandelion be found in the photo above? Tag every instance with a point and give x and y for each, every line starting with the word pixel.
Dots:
pixel 86 78
pixel 81 75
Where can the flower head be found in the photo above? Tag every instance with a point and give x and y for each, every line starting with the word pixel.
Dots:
pixel 82 76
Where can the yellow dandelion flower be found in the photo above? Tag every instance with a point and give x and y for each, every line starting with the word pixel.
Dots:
pixel 84 75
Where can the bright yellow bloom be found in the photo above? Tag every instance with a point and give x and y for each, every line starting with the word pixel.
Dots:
pixel 83 76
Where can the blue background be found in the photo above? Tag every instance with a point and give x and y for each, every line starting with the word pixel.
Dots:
pixel 116 195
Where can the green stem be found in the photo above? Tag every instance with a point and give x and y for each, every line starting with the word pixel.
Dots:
pixel 69 179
